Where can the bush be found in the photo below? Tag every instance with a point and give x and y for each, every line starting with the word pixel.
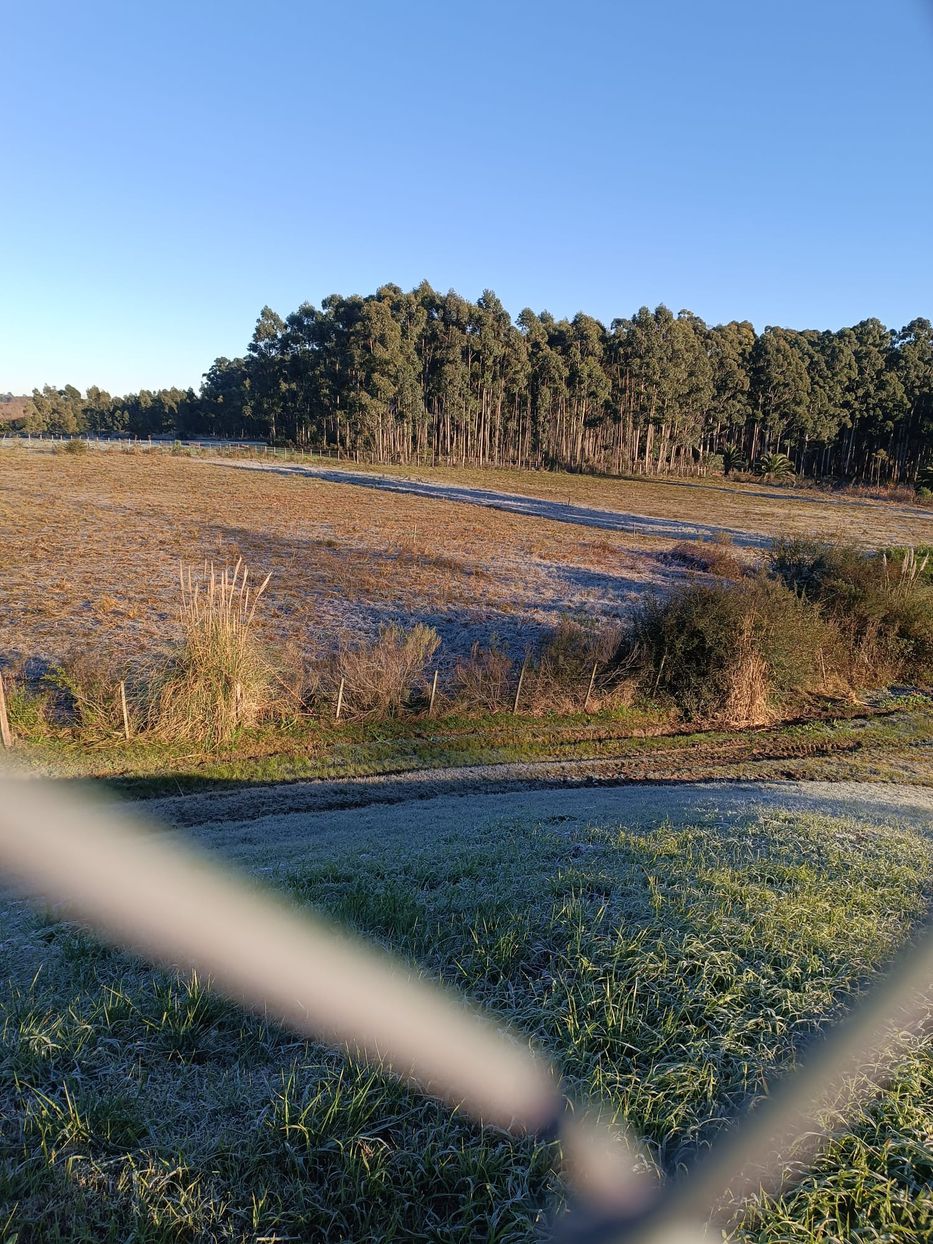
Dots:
pixel 385 675
pixel 775 466
pixel 88 682
pixel 219 678
pixel 483 681
pixel 732 652
pixel 881 604
pixel 560 677
pixel 716 556
pixel 76 447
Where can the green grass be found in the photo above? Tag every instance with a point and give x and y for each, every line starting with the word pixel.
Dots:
pixel 670 971
pixel 888 743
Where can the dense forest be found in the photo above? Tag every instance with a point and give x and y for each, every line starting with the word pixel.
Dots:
pixel 431 376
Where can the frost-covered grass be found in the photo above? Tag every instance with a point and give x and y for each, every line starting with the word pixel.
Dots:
pixel 670 971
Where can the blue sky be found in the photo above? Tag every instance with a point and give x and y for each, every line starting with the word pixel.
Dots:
pixel 171 167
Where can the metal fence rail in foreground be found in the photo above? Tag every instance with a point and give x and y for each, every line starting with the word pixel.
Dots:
pixel 147 892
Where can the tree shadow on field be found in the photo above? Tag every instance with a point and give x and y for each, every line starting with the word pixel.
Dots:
pixel 323 590
pixel 534 507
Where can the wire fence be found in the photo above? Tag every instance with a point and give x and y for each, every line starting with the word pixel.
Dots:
pixel 149 893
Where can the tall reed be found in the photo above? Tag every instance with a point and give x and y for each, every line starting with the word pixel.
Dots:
pixel 219 678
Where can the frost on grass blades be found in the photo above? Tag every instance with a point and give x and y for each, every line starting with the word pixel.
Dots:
pixel 146 892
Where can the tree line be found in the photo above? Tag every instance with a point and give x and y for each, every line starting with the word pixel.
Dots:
pixel 429 376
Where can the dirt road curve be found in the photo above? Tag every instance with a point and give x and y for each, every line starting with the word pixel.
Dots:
pixel 278 825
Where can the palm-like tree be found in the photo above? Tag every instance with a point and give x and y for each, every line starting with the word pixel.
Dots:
pixel 775 466
pixel 732 459
pixel 925 477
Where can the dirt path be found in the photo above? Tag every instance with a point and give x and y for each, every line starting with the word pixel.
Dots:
pixel 279 823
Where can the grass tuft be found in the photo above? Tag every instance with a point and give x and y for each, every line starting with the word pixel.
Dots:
pixel 219 679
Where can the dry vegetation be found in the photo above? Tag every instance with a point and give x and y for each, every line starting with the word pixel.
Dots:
pixel 91 546
pixel 361 621
pixel 752 507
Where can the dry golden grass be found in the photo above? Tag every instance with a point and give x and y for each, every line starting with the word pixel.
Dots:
pixel 756 507
pixel 218 678
pixel 91 546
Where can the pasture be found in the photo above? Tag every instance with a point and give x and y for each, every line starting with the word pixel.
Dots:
pixel 92 544
pixel 671 947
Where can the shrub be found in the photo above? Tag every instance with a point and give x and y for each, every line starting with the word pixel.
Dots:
pixel 733 459
pixel 716 556
pixel 219 678
pixel 561 675
pixel 774 466
pixel 382 676
pixel 483 680
pixel 911 561
pixel 881 604
pixel 734 652
pixel 88 681
pixel 76 447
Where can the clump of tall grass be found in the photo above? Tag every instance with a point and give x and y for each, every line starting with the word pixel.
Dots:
pixel 382 676
pixel 86 683
pixel 577 668
pixel 27 704
pixel 219 678
pixel 881 603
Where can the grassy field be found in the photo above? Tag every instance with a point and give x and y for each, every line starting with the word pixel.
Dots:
pixel 671 963
pixel 672 970
pixel 754 507
pixel 91 546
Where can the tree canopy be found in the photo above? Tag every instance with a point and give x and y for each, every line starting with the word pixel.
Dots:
pixel 428 375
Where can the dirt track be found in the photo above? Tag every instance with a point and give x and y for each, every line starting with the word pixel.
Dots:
pixel 278 825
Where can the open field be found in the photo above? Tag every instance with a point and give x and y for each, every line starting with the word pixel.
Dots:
pixel 670 951
pixel 91 546
pixel 750 514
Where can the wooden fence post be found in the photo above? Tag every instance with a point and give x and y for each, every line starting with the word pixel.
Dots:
pixel 5 736
pixel 518 689
pixel 339 700
pixel 433 694
pixel 589 690
pixel 126 720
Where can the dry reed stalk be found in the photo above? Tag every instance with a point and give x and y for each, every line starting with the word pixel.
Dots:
pixel 219 679
pixel 747 685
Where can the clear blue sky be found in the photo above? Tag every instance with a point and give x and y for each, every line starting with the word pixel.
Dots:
pixel 169 167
